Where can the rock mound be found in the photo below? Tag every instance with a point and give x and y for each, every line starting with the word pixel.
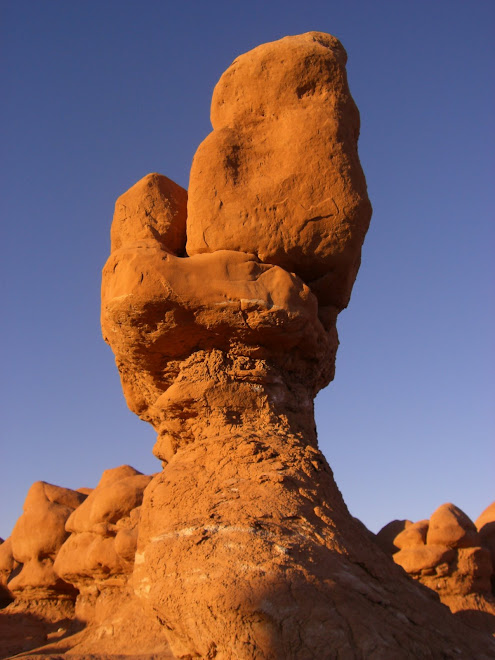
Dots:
pixel 447 554
pixel 98 556
pixel 68 564
pixel 486 528
pixel 37 538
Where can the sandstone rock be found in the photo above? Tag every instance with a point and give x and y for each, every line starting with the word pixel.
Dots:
pixel 265 532
pixel 417 558
pixel 485 518
pixel 279 176
pixel 7 566
pixel 460 571
pixel 450 526
pixel 84 491
pixel 158 309
pixel 154 208
pixel 119 491
pixel 37 538
pixel 413 535
pixel 486 528
pixel 99 553
pixel 386 536
pixel 474 566
pixel 468 573
pixel 7 561
pixel 477 610
pixel 245 547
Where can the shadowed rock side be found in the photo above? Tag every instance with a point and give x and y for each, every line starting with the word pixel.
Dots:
pixel 485 524
pixel 245 547
pixel 448 554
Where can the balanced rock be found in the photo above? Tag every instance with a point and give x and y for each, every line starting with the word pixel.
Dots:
pixel 242 546
pixel 37 538
pixel 279 176
pixel 164 316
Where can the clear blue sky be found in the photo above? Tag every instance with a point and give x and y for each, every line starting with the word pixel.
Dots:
pixel 98 94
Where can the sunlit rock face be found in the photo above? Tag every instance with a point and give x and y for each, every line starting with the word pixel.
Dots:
pixel 223 337
pixel 98 556
pixel 36 541
pixel 279 176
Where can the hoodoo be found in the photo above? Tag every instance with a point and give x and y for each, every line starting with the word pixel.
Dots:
pixel 220 305
pixel 222 339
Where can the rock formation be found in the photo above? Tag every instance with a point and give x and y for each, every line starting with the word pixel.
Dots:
pixel 447 554
pixel 7 567
pixel 36 540
pixel 61 554
pixel 222 340
pixel 43 602
pixel 279 177
pixel 485 525
pixel 98 556
pixel 221 312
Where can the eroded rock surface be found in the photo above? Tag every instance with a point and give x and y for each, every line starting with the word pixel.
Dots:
pixel 155 207
pixel 70 583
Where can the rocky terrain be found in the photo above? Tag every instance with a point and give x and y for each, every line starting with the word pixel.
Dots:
pixel 451 555
pixel 220 305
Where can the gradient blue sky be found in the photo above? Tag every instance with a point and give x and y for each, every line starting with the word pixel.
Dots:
pixel 98 94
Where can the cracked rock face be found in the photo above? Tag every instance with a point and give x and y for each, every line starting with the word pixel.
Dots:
pixel 245 547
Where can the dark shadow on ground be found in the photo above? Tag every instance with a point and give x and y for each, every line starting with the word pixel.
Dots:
pixel 21 632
